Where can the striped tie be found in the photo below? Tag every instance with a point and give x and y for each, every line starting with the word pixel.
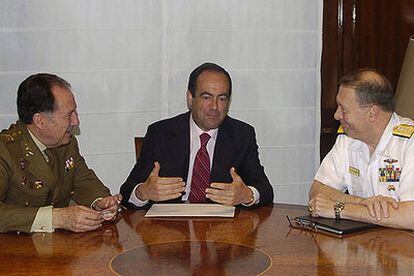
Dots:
pixel 201 172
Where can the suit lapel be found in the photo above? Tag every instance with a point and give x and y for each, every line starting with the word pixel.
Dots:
pixel 180 144
pixel 223 151
pixel 178 150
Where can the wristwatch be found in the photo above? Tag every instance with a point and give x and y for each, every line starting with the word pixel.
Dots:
pixel 338 207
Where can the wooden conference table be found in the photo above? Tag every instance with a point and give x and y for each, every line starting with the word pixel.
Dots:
pixel 255 241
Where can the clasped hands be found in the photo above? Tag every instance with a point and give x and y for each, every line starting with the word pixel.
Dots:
pixel 158 189
pixel 378 206
pixel 79 218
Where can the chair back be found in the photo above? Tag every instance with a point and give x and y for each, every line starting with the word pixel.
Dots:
pixel 138 145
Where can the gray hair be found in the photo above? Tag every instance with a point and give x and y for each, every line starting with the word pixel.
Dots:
pixel 371 87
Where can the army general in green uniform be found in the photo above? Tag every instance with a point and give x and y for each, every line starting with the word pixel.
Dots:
pixel 41 169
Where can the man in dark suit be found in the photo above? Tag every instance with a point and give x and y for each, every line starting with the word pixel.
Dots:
pixel 202 155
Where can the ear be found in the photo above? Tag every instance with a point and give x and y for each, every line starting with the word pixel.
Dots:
pixel 38 120
pixel 189 99
pixel 374 112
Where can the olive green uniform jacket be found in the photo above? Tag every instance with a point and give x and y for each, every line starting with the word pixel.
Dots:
pixel 28 182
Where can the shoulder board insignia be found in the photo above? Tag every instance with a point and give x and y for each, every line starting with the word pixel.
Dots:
pixel 341 130
pixel 403 130
pixel 6 137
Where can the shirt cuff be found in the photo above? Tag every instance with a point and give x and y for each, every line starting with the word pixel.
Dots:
pixel 256 197
pixel 135 200
pixel 43 220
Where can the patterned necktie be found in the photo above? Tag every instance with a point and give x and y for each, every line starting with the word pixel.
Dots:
pixel 201 172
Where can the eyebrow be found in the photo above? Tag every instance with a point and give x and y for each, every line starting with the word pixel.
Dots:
pixel 70 112
pixel 219 95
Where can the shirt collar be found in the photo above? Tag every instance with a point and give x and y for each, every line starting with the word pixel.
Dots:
pixel 196 131
pixel 387 134
pixel 39 144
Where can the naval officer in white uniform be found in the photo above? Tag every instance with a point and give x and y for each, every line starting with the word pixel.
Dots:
pixel 372 159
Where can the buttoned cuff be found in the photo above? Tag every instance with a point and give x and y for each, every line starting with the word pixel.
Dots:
pixel 43 220
pixel 256 197
pixel 135 200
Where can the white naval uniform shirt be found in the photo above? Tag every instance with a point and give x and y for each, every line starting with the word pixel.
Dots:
pixel 349 166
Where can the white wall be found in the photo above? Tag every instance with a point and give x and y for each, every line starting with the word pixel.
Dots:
pixel 129 61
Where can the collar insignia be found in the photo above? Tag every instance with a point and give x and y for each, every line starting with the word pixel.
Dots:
pixel 340 130
pixel 69 164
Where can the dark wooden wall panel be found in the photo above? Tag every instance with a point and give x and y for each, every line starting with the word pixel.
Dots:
pixel 382 31
pixel 329 73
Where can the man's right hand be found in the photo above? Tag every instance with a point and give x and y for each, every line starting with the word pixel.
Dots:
pixel 76 218
pixel 158 188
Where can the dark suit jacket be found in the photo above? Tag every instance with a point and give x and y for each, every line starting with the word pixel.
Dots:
pixel 28 182
pixel 168 142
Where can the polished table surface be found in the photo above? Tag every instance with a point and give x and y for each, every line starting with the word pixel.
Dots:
pixel 256 241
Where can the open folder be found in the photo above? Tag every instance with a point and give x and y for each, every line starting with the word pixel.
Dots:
pixel 190 210
pixel 329 226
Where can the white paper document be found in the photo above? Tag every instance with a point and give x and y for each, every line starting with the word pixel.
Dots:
pixel 190 210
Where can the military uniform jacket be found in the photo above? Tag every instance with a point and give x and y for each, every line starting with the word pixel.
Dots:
pixel 389 171
pixel 28 181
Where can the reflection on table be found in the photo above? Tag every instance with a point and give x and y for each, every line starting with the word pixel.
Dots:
pixel 201 250
pixel 387 252
pixel 255 240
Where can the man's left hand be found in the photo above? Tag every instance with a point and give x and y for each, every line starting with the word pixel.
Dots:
pixel 108 206
pixel 231 194
pixel 378 206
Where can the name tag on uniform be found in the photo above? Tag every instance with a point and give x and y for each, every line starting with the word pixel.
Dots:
pixel 353 171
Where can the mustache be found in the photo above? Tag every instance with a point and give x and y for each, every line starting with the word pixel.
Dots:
pixel 213 113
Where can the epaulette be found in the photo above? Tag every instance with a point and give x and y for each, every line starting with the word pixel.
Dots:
pixel 8 138
pixel 340 130
pixel 403 130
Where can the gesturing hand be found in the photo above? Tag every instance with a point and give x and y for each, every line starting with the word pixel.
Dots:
pixel 231 194
pixel 158 188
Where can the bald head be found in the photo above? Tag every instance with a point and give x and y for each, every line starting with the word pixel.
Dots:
pixel 371 87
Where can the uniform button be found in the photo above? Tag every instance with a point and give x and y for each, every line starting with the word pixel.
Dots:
pixel 52 203
pixel 26 203
pixel 72 193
